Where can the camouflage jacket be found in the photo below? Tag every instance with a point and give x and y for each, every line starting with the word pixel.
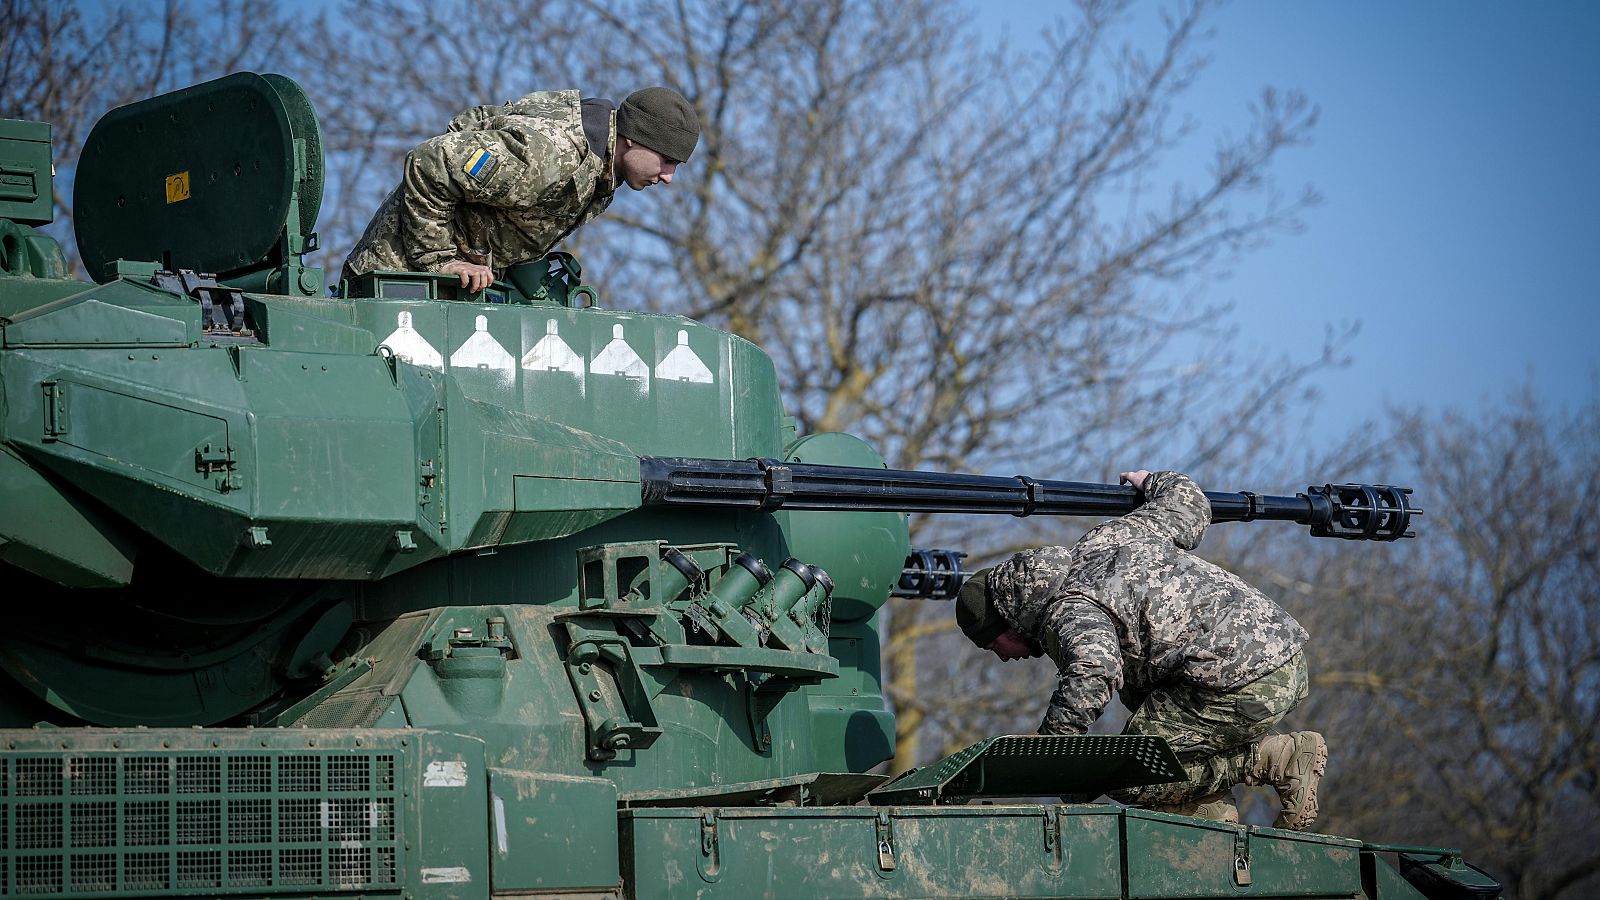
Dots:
pixel 502 186
pixel 1127 608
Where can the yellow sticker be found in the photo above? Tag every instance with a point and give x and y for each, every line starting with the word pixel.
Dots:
pixel 177 187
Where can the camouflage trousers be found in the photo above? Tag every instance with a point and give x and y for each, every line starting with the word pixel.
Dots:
pixel 1212 731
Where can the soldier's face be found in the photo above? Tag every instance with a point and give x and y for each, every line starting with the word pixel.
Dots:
pixel 1012 645
pixel 639 167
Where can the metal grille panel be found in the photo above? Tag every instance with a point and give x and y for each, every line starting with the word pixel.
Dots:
pixel 96 823
pixel 249 774
pixel 1037 766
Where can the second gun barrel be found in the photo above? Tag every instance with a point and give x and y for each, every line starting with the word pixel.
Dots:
pixel 766 484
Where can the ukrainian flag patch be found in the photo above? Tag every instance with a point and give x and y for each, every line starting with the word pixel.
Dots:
pixel 480 165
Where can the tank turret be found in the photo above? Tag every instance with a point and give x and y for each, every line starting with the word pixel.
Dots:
pixel 419 592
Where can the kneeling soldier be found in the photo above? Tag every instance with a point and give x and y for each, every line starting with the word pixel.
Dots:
pixel 1201 658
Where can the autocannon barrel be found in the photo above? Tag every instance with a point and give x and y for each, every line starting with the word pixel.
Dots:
pixel 931 575
pixel 1374 512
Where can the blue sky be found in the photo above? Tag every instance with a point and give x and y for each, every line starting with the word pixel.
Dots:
pixel 1458 154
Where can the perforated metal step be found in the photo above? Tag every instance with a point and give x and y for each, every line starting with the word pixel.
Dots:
pixel 1035 765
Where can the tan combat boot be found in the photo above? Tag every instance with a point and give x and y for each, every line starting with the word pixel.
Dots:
pixel 1217 807
pixel 1292 764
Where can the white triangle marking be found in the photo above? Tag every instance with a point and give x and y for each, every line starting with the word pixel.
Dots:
pixel 552 354
pixel 482 351
pixel 683 365
pixel 411 346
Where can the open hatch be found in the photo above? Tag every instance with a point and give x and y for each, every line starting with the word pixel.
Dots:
pixel 222 178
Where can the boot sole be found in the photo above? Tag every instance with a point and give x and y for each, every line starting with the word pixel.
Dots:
pixel 1306 811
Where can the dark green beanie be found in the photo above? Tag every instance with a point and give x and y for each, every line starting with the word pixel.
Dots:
pixel 661 119
pixel 975 614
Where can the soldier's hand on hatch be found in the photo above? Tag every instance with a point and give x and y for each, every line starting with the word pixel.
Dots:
pixel 473 276
pixel 1136 479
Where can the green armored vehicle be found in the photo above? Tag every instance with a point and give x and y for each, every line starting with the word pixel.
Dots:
pixel 418 593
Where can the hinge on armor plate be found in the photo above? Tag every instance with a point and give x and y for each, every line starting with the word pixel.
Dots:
pixel 221 307
pixel 886 863
pixel 55 410
pixel 1241 856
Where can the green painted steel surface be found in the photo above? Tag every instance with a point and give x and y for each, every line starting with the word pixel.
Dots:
pixel 533 715
pixel 1379 880
pixel 109 670
pixel 395 545
pixel 30 254
pixel 965 852
pixel 867 546
pixel 57 535
pixel 1175 856
pixel 553 832
pixel 334 453
pixel 1446 874
pixel 850 729
pixel 25 293
pixel 124 314
pixel 25 172
pixel 321 811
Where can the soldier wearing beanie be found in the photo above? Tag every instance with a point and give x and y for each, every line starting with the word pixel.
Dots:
pixel 1201 658
pixel 506 184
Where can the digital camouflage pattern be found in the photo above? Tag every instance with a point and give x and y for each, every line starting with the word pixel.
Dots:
pixel 1127 609
pixel 503 186
pixel 1214 732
